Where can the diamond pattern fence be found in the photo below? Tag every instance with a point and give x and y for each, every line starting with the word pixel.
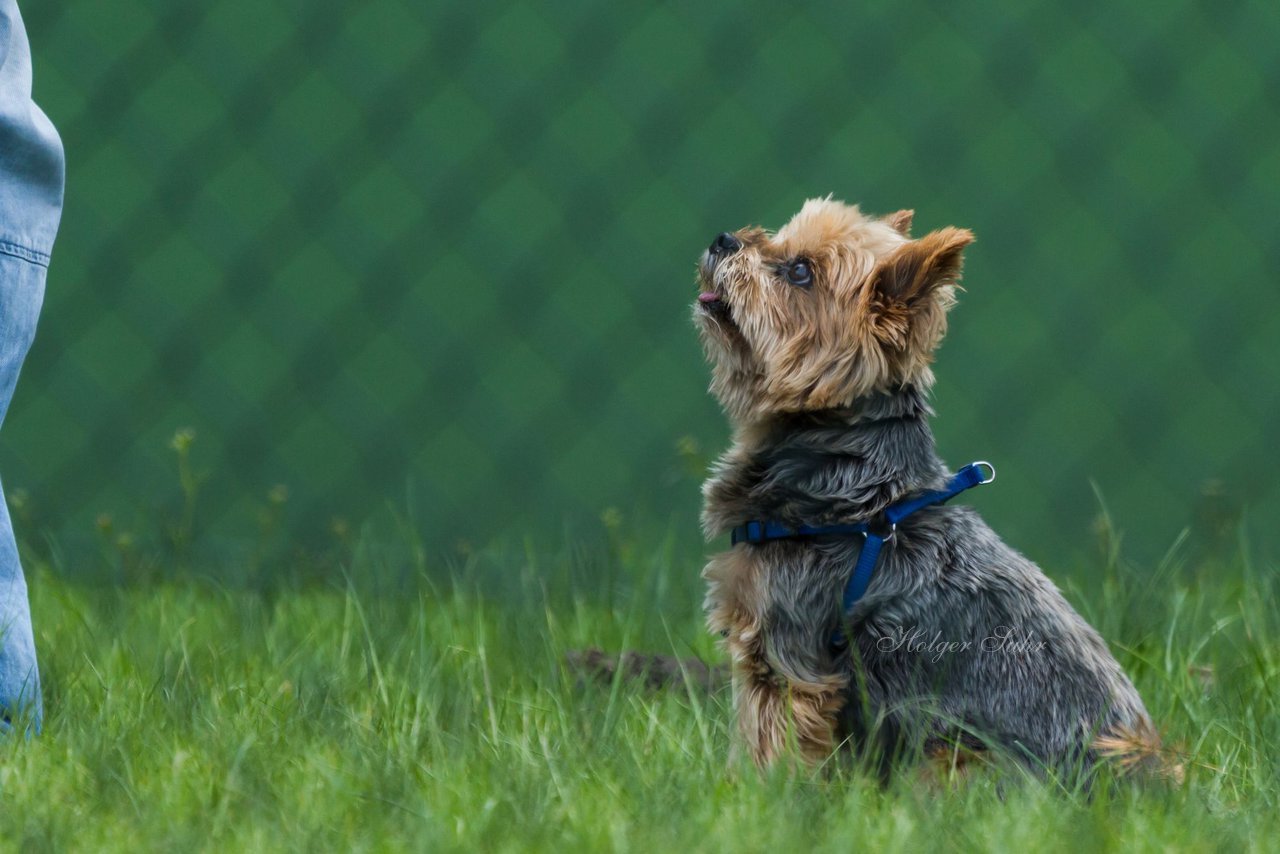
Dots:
pixel 437 257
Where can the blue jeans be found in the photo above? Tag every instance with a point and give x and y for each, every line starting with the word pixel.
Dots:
pixel 31 178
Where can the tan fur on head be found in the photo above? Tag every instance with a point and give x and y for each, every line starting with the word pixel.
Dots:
pixel 871 319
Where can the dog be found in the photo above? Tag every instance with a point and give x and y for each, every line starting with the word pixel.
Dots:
pixel 820 338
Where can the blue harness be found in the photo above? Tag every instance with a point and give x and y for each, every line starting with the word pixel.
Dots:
pixel 756 533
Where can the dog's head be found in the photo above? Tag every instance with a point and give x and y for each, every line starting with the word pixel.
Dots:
pixel 835 305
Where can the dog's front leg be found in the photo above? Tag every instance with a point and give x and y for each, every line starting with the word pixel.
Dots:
pixel 786 687
pixel 798 648
pixel 780 705
pixel 758 692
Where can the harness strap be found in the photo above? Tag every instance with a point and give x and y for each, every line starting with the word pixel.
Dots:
pixel 762 532
pixel 862 572
pixel 967 478
pixel 757 532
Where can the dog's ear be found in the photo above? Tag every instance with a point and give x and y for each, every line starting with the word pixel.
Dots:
pixel 900 222
pixel 917 268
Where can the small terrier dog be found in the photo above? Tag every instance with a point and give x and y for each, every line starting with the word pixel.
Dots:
pixel 820 338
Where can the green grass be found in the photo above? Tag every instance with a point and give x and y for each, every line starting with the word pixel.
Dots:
pixel 413 707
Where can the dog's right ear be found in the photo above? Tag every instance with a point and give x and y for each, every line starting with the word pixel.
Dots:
pixel 900 221
pixel 916 269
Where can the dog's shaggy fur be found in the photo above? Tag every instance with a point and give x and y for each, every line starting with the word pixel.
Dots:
pixel 820 339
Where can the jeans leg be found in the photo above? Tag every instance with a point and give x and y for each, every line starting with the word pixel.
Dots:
pixel 20 700
pixel 21 294
pixel 31 183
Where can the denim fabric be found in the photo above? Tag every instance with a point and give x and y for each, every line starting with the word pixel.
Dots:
pixel 31 178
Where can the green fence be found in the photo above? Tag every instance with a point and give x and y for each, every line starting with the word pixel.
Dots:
pixel 372 249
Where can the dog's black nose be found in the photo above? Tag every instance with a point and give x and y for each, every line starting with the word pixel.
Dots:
pixel 725 244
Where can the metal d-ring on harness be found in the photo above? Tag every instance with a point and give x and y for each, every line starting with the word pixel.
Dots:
pixel 756 533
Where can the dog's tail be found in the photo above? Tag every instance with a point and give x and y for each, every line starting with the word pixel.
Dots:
pixel 1138 749
pixel 654 671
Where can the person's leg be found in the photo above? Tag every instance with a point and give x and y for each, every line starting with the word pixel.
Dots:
pixel 21 292
pixel 31 179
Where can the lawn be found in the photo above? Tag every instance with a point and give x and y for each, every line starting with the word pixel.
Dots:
pixel 394 704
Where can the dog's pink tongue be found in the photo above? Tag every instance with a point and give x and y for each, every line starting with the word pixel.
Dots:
pixel 708 297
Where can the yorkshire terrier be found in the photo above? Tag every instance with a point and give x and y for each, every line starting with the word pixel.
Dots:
pixel 820 338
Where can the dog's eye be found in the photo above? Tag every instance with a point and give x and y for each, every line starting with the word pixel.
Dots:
pixel 799 273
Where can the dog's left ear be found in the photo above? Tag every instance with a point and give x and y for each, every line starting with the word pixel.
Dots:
pixel 917 268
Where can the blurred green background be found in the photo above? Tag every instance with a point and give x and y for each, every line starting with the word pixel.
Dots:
pixel 437 259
